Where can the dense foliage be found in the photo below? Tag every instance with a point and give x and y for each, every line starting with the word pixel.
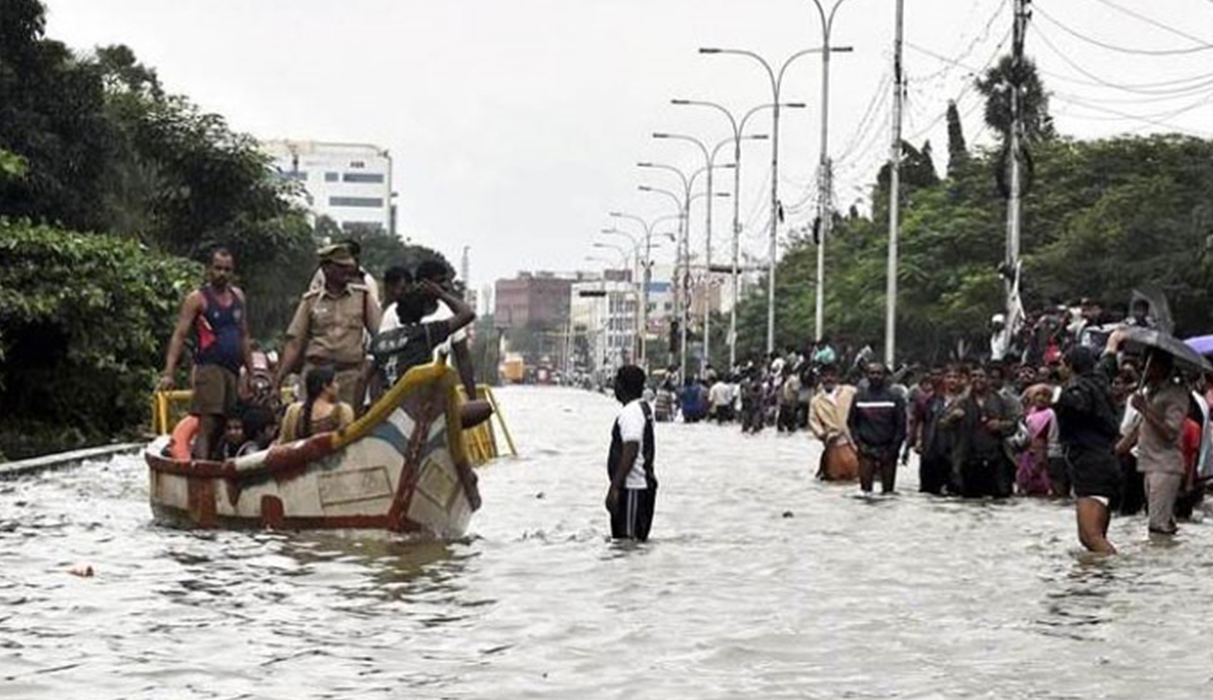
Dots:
pixel 1100 218
pixel 82 329
pixel 93 143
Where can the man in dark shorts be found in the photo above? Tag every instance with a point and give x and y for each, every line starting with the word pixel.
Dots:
pixel 633 491
pixel 216 312
pixel 877 422
pixel 1089 428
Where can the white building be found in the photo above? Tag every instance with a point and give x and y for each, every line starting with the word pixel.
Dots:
pixel 350 183
pixel 602 322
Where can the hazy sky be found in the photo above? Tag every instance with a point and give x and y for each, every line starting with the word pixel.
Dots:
pixel 515 125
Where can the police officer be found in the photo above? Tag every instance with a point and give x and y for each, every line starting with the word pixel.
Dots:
pixel 330 324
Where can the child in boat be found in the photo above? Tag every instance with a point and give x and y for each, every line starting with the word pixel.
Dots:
pixel 320 411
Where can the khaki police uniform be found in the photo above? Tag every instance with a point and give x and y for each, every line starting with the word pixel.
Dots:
pixel 331 331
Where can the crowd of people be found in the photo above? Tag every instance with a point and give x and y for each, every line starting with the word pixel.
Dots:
pixel 1068 407
pixel 346 345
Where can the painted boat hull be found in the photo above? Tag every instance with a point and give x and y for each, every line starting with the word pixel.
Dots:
pixel 401 468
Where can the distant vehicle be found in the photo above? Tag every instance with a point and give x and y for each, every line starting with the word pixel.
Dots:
pixel 513 369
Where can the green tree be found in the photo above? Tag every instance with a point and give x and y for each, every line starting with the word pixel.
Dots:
pixel 82 328
pixel 958 151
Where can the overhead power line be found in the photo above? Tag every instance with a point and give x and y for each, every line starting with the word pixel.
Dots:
pixel 1120 49
pixel 1153 22
pixel 1070 62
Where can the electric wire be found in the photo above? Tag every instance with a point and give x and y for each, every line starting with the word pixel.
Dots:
pixel 1120 49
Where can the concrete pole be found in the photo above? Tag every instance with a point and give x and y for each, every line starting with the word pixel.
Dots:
pixel 890 336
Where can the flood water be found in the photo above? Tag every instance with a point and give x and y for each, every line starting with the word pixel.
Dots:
pixel 758 583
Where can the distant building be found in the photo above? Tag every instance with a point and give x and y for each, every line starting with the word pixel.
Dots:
pixel 348 182
pixel 534 300
pixel 603 322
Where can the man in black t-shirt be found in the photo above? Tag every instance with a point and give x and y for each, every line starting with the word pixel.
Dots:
pixel 403 342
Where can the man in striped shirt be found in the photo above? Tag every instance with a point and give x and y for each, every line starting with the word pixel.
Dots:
pixel 877 422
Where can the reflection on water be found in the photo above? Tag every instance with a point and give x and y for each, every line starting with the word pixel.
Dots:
pixel 759 582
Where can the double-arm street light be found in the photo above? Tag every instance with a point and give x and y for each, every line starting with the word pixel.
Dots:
pixel 643 267
pixel 825 212
pixel 776 78
pixel 683 204
pixel 684 207
pixel 709 164
pixel 738 127
pixel 646 274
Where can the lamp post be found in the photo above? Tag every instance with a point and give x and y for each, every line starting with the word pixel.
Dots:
pixel 738 127
pixel 776 79
pixel 646 274
pixel 707 159
pixel 683 203
pixel 642 268
pixel 825 214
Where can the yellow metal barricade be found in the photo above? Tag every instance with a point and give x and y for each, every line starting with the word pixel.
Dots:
pixel 481 440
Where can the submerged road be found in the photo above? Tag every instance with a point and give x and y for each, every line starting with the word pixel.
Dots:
pixel 758 583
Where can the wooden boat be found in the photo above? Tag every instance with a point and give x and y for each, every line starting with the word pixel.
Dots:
pixel 401 468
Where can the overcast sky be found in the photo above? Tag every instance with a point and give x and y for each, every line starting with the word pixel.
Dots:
pixel 515 125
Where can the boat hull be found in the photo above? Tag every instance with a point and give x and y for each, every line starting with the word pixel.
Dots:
pixel 402 468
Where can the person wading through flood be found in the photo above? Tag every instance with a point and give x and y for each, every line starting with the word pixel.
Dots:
pixel 1089 429
pixel 985 467
pixel 828 414
pixel 632 494
pixel 1162 410
pixel 216 313
pixel 877 422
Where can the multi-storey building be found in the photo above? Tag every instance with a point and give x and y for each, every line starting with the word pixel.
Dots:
pixel 603 322
pixel 348 182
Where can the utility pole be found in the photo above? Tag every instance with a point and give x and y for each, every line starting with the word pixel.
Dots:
pixel 825 186
pixel 1014 202
pixel 890 329
pixel 465 269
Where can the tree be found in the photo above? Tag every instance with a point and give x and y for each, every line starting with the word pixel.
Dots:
pixel 995 86
pixel 1108 216
pixel 958 152
pixel 52 114
pixel 83 323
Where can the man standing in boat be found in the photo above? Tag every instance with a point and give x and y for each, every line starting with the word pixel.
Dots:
pixel 633 490
pixel 216 311
pixel 327 330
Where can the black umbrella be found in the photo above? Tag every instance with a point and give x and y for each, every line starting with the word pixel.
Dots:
pixel 1167 343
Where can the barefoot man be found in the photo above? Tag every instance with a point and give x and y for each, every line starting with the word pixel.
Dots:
pixel 221 346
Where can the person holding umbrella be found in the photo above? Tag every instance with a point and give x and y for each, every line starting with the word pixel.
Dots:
pixel 1161 409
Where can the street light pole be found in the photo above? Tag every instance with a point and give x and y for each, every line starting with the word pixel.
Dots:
pixel 684 205
pixel 738 131
pixel 646 275
pixel 825 215
pixel 776 88
pixel 707 159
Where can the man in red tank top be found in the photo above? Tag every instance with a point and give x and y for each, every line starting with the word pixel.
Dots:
pixel 217 314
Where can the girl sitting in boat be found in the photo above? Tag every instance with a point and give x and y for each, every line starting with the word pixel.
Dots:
pixel 320 411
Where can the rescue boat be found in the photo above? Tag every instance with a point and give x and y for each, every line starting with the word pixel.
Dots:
pixel 401 468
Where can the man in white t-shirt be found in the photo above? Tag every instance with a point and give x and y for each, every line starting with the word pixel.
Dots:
pixel 633 491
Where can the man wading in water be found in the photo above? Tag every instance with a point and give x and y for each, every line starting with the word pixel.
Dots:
pixel 877 422
pixel 633 491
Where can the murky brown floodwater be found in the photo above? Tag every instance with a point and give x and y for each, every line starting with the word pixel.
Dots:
pixel 906 597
